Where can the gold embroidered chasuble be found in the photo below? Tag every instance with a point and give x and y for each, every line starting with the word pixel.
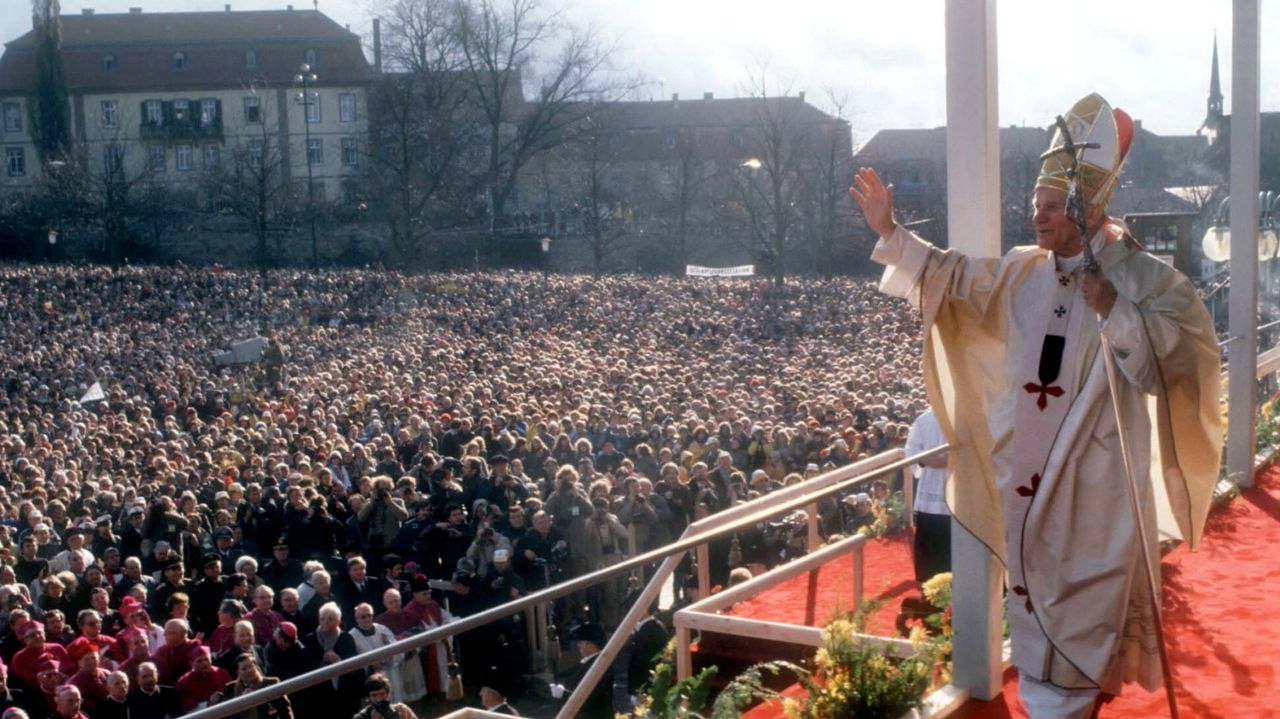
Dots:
pixel 1010 345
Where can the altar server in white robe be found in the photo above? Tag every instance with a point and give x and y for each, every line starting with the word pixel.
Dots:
pixel 370 635
pixel 1014 373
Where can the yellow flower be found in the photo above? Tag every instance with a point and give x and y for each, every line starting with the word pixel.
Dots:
pixel 935 584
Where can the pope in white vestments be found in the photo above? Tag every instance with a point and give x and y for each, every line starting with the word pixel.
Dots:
pixel 1014 372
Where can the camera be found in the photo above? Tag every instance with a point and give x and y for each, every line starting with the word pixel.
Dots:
pixel 384 708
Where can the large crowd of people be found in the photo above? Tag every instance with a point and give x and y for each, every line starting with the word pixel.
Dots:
pixel 404 450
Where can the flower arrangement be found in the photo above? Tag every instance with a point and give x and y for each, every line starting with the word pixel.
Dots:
pixel 933 635
pixel 1269 423
pixel 851 678
pixel 890 517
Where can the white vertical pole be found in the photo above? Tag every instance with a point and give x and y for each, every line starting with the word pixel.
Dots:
pixel 1242 397
pixel 973 226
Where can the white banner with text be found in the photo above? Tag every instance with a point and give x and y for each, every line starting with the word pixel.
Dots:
pixel 739 271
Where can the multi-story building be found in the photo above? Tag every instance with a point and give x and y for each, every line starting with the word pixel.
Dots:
pixel 171 94
pixel 684 180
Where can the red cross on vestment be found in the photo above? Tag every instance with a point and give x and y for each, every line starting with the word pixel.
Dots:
pixel 1026 491
pixel 1045 391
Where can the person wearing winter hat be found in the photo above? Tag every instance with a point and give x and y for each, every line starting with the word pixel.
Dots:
pixel 202 681
pixel 588 639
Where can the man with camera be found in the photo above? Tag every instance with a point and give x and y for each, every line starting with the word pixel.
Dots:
pixel 606 545
pixel 570 509
pixel 378 705
pixel 536 552
pixel 447 542
pixel 382 515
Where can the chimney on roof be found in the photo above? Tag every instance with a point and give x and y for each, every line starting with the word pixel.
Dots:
pixel 802 96
pixel 708 96
pixel 675 97
pixel 135 11
pixel 227 7
pixel 86 11
pixel 377 46
pixel 289 8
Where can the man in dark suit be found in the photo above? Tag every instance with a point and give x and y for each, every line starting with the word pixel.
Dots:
pixel 150 699
pixel 359 588
pixel 11 698
pixel 282 570
pixel 646 645
pixel 249 678
pixel 588 638
pixel 326 645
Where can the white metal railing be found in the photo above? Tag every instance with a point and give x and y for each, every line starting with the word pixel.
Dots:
pixel 698 533
pixel 841 479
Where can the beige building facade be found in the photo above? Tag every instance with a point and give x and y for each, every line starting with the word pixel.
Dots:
pixel 173 95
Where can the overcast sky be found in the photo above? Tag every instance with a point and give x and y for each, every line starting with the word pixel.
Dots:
pixel 886 57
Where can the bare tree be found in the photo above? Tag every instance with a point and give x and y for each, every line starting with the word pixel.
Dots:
pixel 104 193
pixel 503 44
pixel 250 183
pixel 826 174
pixel 416 169
pixel 768 184
pixel 602 200
pixel 685 175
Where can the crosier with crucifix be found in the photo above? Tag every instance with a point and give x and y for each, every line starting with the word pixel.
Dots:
pixel 1016 367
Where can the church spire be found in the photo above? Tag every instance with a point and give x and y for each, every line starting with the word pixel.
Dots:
pixel 1213 117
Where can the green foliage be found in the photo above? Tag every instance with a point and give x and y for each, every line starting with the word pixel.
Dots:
pixel 853 678
pixel 749 687
pixel 670 699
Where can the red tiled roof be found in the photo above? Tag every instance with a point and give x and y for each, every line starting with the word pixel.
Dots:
pixel 215 45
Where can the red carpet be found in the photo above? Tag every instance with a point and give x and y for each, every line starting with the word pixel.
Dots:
pixel 887 575
pixel 1220 619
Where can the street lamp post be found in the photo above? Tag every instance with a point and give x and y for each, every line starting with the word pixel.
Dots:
pixel 54 173
pixel 307 97
pixel 1216 243
pixel 545 244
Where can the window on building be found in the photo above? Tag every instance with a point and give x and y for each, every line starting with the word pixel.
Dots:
pixel 155 113
pixel 110 113
pixel 113 157
pixel 315 152
pixel 313 107
pixel 16 161
pixel 179 61
pixel 208 112
pixel 309 57
pixel 13 117
pixel 347 107
pixel 251 59
pixel 108 62
pixel 156 158
pixel 185 157
pixel 256 150
pixel 212 155
pixel 349 155
pixel 252 111
pixel 181 110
